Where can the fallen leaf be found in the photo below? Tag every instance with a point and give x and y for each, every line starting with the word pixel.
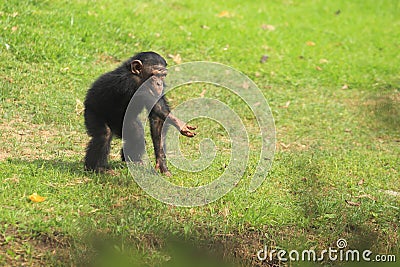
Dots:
pixel 78 182
pixel 268 27
pixel 36 198
pixel 120 202
pixel 94 210
pixel 318 68
pixel 79 107
pixel 225 212
pixel 13 179
pixel 361 182
pixel 323 61
pixel 264 58
pixel 286 105
pixel 391 193
pixel 111 172
pixel 310 43
pixel 366 196
pixel 176 58
pixel 345 86
pixel 92 13
pixel 224 14
pixel 205 27
pixel 202 94
pixel 284 145
pixel 350 203
pixel 14 28
pixel 266 47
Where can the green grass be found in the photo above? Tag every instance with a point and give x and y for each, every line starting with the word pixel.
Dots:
pixel 332 80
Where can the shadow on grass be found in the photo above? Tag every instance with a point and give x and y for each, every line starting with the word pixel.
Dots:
pixel 321 202
pixel 103 244
pixel 385 110
pixel 118 173
pixel 326 212
pixel 156 249
pixel 64 166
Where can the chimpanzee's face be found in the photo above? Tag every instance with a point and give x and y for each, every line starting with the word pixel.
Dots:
pixel 158 74
pixel 155 73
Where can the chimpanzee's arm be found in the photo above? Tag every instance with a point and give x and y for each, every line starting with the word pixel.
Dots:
pixel 161 110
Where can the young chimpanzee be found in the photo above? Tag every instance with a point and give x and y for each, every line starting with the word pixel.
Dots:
pixel 108 99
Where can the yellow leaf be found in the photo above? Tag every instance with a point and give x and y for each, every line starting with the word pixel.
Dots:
pixel 36 198
pixel 268 27
pixel 224 14
pixel 202 94
pixel 310 43
pixel 176 58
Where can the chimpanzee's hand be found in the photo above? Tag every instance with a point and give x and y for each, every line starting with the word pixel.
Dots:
pixel 186 130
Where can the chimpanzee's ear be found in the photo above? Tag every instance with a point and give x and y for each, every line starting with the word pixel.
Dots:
pixel 136 67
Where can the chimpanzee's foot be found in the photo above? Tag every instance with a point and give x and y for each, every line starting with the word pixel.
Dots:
pixel 162 167
pixel 96 169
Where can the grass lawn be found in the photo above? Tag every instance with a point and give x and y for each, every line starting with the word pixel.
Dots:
pixel 329 70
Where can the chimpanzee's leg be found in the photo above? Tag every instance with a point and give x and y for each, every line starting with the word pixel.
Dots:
pixel 98 148
pixel 134 143
pixel 158 137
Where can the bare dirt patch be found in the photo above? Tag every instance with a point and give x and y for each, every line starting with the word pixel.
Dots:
pixel 19 248
pixel 24 140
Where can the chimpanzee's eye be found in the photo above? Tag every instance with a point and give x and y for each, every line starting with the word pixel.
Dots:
pixel 161 74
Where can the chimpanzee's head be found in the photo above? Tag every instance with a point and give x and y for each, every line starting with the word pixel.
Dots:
pixel 150 65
